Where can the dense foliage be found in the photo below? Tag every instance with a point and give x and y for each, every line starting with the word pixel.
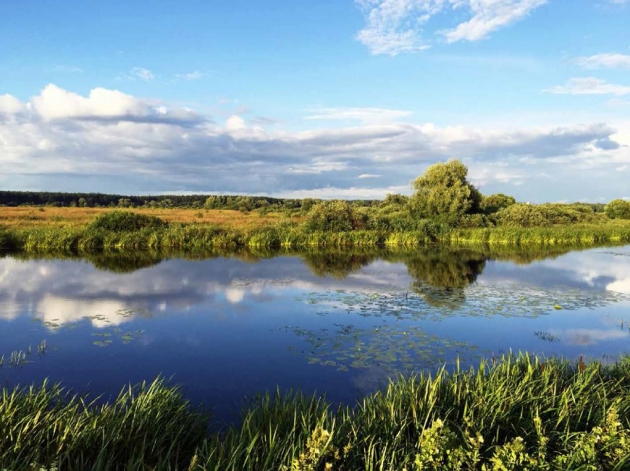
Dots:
pixel 443 193
pixel 618 209
pixel 97 200
pixel 125 221
pixel 530 215
pixel 520 413
pixel 491 204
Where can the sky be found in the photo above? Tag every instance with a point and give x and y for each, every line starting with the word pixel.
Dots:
pixel 324 99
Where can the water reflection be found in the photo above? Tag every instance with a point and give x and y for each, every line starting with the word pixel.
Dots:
pixel 341 321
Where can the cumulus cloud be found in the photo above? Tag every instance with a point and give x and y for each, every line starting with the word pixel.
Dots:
pixel 113 142
pixel 9 105
pixel 589 86
pixel 608 60
pixel 101 104
pixel 396 26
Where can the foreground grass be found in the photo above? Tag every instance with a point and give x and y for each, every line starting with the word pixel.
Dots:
pixel 522 413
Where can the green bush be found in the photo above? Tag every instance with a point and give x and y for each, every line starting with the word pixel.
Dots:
pixel 618 209
pixel 126 221
pixel 493 203
pixel 335 216
pixel 530 215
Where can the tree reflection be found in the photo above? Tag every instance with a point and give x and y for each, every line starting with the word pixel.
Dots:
pixel 338 264
pixel 441 275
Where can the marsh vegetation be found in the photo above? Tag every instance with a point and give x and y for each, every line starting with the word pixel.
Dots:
pixel 518 413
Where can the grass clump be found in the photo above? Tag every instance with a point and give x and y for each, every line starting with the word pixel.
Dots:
pixel 125 221
pixel 520 413
pixel 146 427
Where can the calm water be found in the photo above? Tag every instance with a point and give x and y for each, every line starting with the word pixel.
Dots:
pixel 339 324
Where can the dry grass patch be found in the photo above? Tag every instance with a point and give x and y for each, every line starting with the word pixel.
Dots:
pixel 26 217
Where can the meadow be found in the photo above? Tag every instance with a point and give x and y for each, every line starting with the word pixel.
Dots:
pixel 86 230
pixel 517 413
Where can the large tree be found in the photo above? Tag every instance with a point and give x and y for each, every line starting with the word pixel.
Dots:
pixel 443 193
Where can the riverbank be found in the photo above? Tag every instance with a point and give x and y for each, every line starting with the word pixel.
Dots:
pixel 289 234
pixel 521 413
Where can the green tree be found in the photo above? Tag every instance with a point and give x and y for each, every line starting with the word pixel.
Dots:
pixel 493 203
pixel 618 209
pixel 443 193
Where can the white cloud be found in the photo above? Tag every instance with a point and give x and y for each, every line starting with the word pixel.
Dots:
pixel 589 86
pixel 196 75
pixel 56 103
pixel 489 16
pixel 598 61
pixel 141 73
pixel 364 115
pixel 9 105
pixel 109 141
pixel 397 26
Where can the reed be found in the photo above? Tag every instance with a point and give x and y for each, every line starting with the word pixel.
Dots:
pixel 520 412
pixel 289 234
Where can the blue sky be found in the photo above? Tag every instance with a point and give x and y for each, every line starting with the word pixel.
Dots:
pixel 343 98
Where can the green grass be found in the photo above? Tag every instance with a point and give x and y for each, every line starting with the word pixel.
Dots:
pixel 522 413
pixel 197 236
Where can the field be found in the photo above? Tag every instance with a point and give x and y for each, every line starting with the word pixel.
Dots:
pixel 55 229
pixel 30 217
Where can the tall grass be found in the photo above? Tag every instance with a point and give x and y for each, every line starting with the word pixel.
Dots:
pixel 521 413
pixel 150 233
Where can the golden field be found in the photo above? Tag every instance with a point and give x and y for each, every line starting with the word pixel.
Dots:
pixel 28 217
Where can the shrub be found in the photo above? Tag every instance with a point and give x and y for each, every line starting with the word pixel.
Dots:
pixel 335 216
pixel 126 221
pixel 493 203
pixel 618 209
pixel 528 215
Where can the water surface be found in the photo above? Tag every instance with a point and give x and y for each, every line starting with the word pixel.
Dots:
pixel 336 323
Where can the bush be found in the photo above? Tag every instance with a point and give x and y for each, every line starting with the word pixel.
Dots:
pixel 618 209
pixel 493 203
pixel 335 216
pixel 126 221
pixel 528 215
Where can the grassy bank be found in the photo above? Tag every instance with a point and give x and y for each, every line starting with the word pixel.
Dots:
pixel 195 236
pixel 522 413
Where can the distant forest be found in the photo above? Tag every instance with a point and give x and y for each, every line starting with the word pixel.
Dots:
pixel 99 200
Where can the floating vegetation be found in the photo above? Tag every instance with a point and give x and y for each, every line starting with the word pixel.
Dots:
pixel 116 333
pixel 391 348
pixel 475 301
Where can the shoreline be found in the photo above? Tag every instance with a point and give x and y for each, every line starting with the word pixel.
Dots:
pixel 521 411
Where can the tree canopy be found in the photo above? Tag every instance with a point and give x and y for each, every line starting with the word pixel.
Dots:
pixel 618 209
pixel 444 193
